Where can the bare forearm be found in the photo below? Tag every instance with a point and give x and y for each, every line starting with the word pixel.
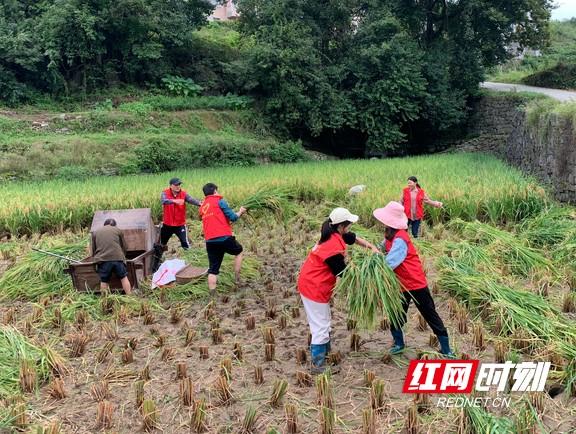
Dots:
pixel 433 203
pixel 366 244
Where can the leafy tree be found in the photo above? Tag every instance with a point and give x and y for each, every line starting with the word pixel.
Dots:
pixel 384 69
pixel 67 45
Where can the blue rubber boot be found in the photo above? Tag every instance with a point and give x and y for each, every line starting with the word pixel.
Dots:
pixel 318 353
pixel 445 347
pixel 398 346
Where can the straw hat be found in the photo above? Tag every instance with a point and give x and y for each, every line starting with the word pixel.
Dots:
pixel 392 215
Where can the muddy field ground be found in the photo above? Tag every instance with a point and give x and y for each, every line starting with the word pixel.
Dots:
pixel 172 338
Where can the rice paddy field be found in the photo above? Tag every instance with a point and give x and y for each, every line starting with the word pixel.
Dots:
pixel 500 260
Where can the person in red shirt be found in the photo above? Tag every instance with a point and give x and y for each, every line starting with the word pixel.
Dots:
pixel 402 257
pixel 413 200
pixel 318 275
pixel 174 201
pixel 216 218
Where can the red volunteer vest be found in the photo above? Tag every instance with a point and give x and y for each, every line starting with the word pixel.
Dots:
pixel 174 215
pixel 316 281
pixel 419 203
pixel 410 272
pixel 214 221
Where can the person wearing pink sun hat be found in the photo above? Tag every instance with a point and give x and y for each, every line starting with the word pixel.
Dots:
pixel 402 257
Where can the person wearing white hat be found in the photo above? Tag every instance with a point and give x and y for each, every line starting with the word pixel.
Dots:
pixel 402 257
pixel 318 276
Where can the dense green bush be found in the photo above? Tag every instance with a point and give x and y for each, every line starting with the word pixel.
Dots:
pixel 560 76
pixel 287 152
pixel 12 92
pixel 225 102
pixel 157 155
pixel 137 107
pixel 73 173
pixel 180 86
pixel 160 155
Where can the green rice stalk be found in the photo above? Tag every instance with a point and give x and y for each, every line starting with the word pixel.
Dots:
pixel 249 420
pixel 278 200
pixel 372 290
pixel 278 393
pixel 481 421
pixel 324 392
pixel 327 420
pixel 36 275
pixel 15 348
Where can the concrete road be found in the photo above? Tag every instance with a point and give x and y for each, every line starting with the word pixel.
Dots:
pixel 560 95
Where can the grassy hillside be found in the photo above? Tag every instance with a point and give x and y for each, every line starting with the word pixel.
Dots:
pixel 149 133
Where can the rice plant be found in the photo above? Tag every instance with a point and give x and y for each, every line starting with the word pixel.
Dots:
pixel 324 394
pixel 190 335
pixel 186 391
pixel 150 415
pixel 371 289
pixel 301 356
pixel 139 393
pixel 127 356
pixel 327 420
pixel 203 352
pixel 258 375
pixel 37 275
pixel 99 391
pixel 56 389
pixel 269 352
pixel 27 376
pixel 478 420
pixel 47 208
pixel 226 367
pixel 14 348
pixel 223 391
pixel 104 414
pixel 181 370
pixel 304 379
pixel 199 416
pixel 249 422
pixel 238 352
pixel 369 377
pixel 377 395
pixel 250 322
pixel 168 354
pixel 412 420
pixel 291 412
pixel 278 392
pixel 277 200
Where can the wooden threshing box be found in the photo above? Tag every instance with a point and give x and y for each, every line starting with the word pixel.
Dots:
pixel 140 234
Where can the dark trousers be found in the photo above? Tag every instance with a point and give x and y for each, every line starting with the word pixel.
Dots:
pixel 415 224
pixel 425 304
pixel 181 232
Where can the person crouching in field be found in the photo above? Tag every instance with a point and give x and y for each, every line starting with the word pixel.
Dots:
pixel 402 257
pixel 318 275
pixel 110 253
pixel 174 201
pixel 413 200
pixel 216 218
